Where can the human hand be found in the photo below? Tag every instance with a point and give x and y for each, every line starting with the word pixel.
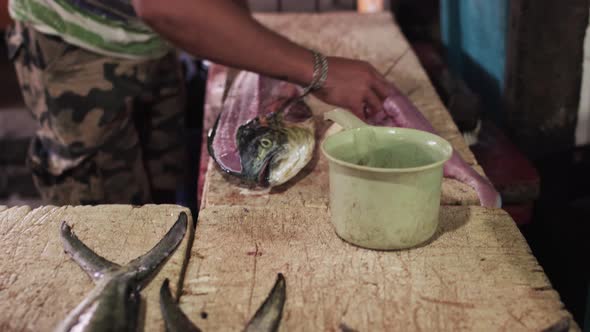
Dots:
pixel 354 85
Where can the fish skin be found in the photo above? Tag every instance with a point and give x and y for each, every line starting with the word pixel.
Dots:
pixel 398 111
pixel 266 319
pixel 113 304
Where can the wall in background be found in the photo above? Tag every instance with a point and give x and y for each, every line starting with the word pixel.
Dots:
pixel 474 35
pixel 544 73
pixel 524 58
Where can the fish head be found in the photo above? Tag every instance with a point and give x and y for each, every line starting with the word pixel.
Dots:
pixel 258 144
pixel 264 134
pixel 273 151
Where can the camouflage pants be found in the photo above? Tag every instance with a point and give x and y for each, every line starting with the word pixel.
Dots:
pixel 110 129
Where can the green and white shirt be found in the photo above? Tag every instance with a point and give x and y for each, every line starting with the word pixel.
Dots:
pixel 109 27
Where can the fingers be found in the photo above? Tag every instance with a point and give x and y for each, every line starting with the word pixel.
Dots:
pixel 374 104
pixel 376 91
pixel 357 86
pixel 360 111
pixel 379 84
pixel 382 88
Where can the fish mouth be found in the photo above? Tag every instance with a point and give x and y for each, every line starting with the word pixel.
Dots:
pixel 264 173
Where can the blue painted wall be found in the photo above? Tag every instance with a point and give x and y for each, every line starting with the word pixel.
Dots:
pixel 474 33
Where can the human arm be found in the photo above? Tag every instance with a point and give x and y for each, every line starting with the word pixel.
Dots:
pixel 223 32
pixel 243 4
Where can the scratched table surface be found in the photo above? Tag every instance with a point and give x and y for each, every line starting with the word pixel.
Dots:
pixel 476 274
pixel 40 284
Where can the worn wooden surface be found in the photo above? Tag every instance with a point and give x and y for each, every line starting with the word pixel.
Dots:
pixel 476 274
pixel 374 38
pixel 40 284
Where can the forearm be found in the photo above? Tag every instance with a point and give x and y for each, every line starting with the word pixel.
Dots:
pixel 223 32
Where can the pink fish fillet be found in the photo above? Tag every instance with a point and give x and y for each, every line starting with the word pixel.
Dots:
pixel 400 112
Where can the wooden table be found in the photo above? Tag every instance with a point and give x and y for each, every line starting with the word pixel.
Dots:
pixel 40 284
pixel 476 274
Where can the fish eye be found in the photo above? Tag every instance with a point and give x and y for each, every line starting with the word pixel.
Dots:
pixel 265 143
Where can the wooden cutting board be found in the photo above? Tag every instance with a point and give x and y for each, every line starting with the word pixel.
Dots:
pixel 40 284
pixel 375 38
pixel 476 274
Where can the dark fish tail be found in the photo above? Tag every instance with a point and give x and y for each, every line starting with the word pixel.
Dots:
pixel 174 318
pixel 93 264
pixel 143 266
pixel 268 316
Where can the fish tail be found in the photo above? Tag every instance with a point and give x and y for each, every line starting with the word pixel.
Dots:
pixel 143 266
pixel 268 316
pixel 174 318
pixel 94 265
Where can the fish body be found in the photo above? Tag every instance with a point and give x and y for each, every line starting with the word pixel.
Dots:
pixel 265 133
pixel 113 304
pixel 398 111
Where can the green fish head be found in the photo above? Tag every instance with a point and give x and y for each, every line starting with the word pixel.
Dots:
pixel 273 153
pixel 258 144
